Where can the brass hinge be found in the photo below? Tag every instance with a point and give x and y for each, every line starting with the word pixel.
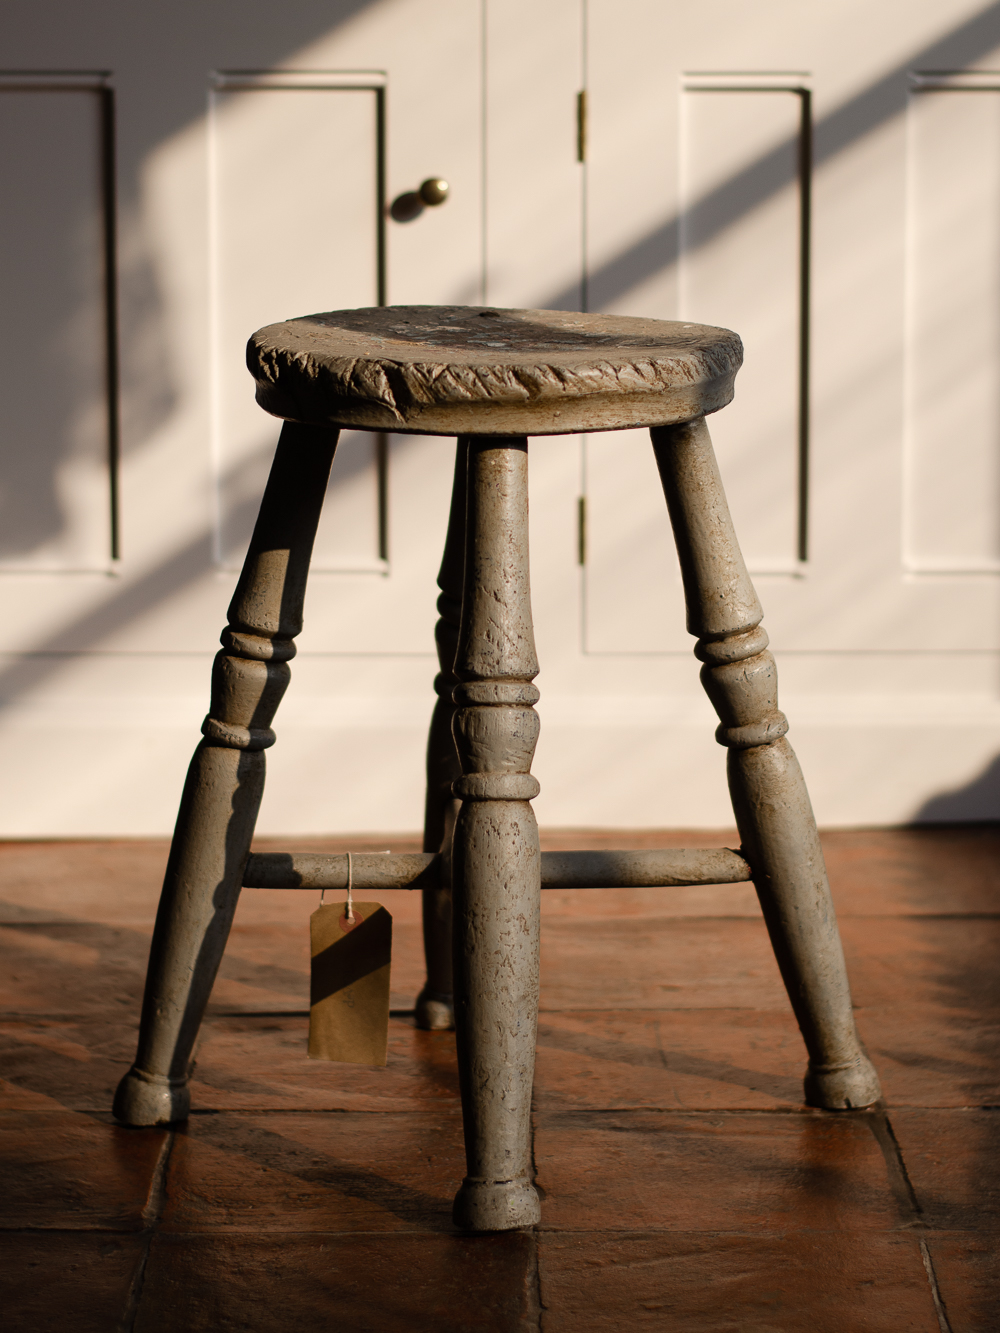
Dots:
pixel 581 126
pixel 581 530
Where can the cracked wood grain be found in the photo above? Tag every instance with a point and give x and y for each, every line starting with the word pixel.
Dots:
pixel 467 369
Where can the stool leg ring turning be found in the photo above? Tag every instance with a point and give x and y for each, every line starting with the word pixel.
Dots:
pixel 770 800
pixel 496 862
pixel 225 782
pixel 435 1007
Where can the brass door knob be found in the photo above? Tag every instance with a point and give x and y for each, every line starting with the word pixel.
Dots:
pixel 406 207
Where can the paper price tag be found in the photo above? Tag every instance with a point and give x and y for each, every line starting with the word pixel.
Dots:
pixel 349 991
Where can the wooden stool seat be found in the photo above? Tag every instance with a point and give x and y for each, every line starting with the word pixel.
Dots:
pixel 471 370
pixel 491 377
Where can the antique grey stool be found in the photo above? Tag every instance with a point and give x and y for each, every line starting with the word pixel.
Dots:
pixel 490 377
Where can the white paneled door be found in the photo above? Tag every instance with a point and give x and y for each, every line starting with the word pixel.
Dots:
pixel 207 170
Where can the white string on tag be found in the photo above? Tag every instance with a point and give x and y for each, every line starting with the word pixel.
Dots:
pixel 349 905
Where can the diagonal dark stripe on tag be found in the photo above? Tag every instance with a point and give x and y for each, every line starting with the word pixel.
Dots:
pixel 349 989
pixel 342 964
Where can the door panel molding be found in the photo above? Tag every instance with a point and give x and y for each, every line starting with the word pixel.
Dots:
pixel 951 478
pixel 744 262
pixel 58 266
pixel 287 174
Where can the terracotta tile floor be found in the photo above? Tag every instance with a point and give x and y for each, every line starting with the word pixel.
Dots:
pixel 684 1185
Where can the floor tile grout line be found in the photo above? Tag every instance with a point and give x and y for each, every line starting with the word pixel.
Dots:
pixel 898 1151
pixel 452 1105
pixel 944 1324
pixel 541 1229
pixel 423 1108
pixel 151 1215
pixel 535 1278
pixel 894 1159
pixel 902 1186
pixel 157 1197
pixel 880 1125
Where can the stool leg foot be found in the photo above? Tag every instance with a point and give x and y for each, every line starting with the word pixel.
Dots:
pixel 496 1205
pixel 225 781
pixel 496 862
pixel 435 1007
pixel 435 1012
pixel 770 800
pixel 151 1099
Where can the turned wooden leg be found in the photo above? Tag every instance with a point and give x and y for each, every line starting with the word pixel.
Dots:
pixel 225 782
pixel 435 1008
pixel 770 800
pixel 496 863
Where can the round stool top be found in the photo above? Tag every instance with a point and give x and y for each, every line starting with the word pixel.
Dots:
pixel 470 370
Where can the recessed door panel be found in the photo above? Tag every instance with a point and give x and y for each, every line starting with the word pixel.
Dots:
pixel 296 223
pixel 740 250
pixel 740 237
pixel 56 430
pixel 952 511
pixel 533 170
pixel 634 599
